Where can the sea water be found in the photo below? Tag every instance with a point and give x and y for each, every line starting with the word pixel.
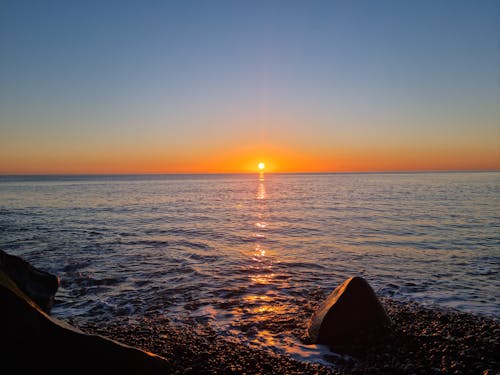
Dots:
pixel 244 253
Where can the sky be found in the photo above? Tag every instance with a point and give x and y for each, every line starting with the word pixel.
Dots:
pixel 218 86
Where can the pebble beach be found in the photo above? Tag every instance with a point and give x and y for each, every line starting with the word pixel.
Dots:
pixel 426 341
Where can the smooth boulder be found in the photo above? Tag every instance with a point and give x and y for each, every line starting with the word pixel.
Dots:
pixel 32 341
pixel 38 285
pixel 351 317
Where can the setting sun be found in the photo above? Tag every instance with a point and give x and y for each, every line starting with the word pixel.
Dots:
pixel 261 166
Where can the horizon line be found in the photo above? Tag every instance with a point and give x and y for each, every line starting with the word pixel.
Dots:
pixel 252 173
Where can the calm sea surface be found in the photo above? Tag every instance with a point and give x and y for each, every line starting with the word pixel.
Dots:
pixel 241 251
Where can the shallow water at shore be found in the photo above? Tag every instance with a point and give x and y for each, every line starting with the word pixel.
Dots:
pixel 245 253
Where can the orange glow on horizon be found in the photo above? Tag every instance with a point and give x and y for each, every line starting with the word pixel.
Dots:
pixel 244 159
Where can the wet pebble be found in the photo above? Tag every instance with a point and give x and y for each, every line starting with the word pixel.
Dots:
pixel 426 341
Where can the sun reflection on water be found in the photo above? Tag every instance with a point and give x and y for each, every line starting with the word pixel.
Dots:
pixel 261 193
pixel 260 304
pixel 259 251
pixel 263 279
pixel 262 275
pixel 253 298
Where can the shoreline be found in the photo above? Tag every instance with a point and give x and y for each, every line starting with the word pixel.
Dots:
pixel 426 341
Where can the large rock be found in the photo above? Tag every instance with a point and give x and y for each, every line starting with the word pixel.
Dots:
pixel 351 317
pixel 32 341
pixel 38 285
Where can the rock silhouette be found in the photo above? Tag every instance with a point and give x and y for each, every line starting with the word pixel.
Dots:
pixel 31 340
pixel 351 316
pixel 38 285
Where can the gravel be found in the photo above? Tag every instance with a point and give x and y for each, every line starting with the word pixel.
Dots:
pixel 426 341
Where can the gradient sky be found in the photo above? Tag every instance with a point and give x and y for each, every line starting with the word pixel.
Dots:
pixel 217 86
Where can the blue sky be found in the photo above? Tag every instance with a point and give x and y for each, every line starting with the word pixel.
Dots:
pixel 102 82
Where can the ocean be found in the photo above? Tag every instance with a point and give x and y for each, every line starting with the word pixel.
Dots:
pixel 244 253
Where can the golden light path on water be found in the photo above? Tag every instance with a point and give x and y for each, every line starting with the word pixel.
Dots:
pixel 263 303
pixel 264 276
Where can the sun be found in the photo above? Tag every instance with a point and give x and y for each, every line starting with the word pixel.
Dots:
pixel 261 166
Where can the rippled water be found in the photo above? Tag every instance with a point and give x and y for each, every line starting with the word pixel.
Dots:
pixel 245 252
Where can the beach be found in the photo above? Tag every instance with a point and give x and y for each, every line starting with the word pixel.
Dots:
pixel 426 341
pixel 413 339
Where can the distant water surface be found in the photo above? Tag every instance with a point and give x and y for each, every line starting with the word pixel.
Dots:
pixel 242 251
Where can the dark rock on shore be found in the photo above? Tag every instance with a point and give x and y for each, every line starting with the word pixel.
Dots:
pixel 33 341
pixel 38 285
pixel 350 318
